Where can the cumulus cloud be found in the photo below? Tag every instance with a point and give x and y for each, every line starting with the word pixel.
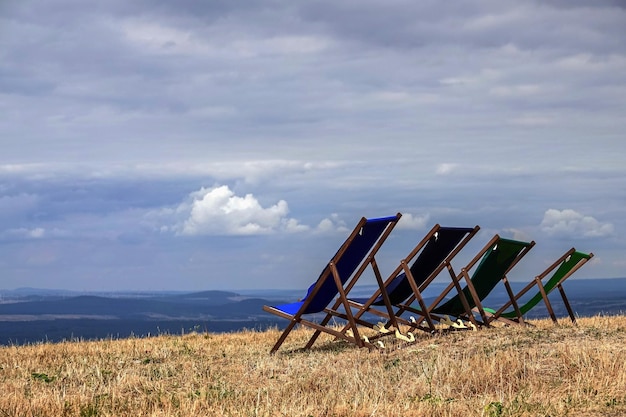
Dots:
pixel 332 224
pixel 218 211
pixel 570 223
pixel 409 221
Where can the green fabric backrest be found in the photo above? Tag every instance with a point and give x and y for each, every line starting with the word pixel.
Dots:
pixel 491 269
pixel 565 267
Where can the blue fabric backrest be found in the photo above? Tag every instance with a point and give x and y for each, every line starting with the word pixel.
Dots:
pixel 348 263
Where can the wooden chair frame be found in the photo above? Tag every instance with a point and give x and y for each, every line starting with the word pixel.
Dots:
pixel 455 283
pixel 342 285
pixel 538 281
pixel 417 286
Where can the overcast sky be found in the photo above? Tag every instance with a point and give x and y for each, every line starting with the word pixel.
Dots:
pixel 159 145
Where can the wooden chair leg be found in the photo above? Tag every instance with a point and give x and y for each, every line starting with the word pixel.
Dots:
pixel 567 305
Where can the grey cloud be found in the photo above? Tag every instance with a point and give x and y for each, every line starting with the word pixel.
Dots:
pixel 485 24
pixel 481 112
pixel 14 205
pixel 144 95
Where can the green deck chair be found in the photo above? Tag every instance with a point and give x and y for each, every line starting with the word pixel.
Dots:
pixel 563 268
pixel 497 258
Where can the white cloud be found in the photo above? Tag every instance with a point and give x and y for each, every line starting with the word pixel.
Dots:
pixel 446 168
pixel 34 233
pixel 570 223
pixel 409 221
pixel 37 232
pixel 218 211
pixel 517 234
pixel 332 224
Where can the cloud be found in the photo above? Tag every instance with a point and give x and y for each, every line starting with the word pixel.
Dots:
pixel 32 233
pixel 409 221
pixel 446 168
pixel 332 224
pixel 530 120
pixel 11 205
pixel 35 233
pixel 570 223
pixel 517 234
pixel 218 211
pixel 323 105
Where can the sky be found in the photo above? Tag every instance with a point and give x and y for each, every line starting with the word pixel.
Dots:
pixel 158 145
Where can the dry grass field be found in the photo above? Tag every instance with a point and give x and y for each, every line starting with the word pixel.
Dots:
pixel 544 370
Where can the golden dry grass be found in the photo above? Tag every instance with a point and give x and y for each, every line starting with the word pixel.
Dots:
pixel 544 370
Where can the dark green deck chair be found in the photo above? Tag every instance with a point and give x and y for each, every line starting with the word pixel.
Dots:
pixel 497 258
pixel 562 269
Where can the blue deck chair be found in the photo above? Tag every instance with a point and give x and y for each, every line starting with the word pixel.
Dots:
pixel 561 269
pixel 337 278
pixel 406 284
pixel 497 258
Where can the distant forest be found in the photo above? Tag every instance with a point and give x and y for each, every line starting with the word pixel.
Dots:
pixel 32 316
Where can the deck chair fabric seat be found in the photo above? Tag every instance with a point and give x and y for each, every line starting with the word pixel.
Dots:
pixel 338 277
pixel 346 264
pixel 440 244
pixel 561 269
pixel 492 269
pixel 496 258
pixel 406 284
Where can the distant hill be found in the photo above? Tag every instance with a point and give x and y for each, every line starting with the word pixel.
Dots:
pixel 34 317
pixel 29 315
pixel 205 305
